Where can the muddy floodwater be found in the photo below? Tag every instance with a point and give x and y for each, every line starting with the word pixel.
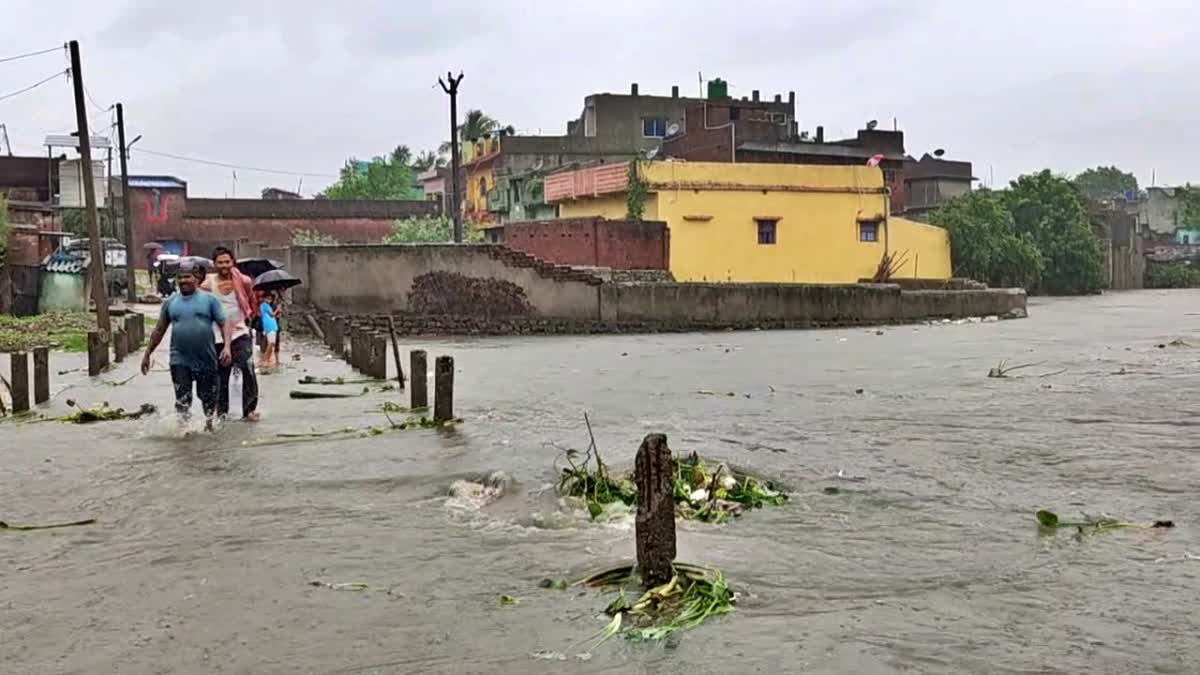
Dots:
pixel 927 560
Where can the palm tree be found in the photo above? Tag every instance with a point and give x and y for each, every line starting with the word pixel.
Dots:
pixel 476 125
pixel 428 160
pixel 402 155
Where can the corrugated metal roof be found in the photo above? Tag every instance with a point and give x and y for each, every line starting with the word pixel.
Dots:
pixel 161 182
pixel 69 141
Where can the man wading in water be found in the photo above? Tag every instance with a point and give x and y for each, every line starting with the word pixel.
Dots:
pixel 191 315
pixel 235 291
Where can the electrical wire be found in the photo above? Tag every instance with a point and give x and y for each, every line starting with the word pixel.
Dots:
pixel 234 166
pixel 35 85
pixel 25 56
pixel 93 101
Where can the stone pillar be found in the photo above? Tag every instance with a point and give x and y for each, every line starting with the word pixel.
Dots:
pixel 336 337
pixel 41 374
pixel 379 348
pixel 655 525
pixel 20 382
pixel 419 384
pixel 443 388
pixel 120 345
pixel 97 353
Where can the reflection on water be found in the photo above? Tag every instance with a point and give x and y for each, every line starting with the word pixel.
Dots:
pixel 925 557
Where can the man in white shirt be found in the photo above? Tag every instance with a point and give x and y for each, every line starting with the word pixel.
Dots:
pixel 235 291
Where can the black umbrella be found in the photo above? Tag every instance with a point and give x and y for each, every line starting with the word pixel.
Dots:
pixel 196 261
pixel 256 267
pixel 275 280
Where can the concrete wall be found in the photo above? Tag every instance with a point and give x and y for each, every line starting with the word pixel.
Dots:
pixel 596 242
pixel 362 280
pixel 378 279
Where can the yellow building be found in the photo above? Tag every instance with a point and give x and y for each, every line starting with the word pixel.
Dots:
pixel 478 160
pixel 764 222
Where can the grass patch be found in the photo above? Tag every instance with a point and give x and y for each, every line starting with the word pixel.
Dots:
pixel 65 331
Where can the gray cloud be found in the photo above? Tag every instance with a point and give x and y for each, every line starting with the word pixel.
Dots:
pixel 301 84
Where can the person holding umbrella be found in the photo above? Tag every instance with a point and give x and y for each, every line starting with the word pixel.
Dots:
pixel 272 284
pixel 235 291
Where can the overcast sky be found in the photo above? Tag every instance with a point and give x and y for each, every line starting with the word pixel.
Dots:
pixel 300 85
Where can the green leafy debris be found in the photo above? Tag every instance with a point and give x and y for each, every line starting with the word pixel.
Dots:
pixel 508 601
pixel 691 597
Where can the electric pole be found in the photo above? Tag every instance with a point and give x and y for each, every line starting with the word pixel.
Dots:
pixel 130 272
pixel 96 267
pixel 450 86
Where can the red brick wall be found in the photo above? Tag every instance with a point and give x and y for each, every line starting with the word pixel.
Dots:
pixel 593 241
pixel 147 226
pixel 201 232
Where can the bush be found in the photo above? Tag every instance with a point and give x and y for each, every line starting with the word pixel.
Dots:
pixel 430 229
pixel 1172 276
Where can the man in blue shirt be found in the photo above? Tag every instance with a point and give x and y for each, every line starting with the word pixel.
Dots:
pixel 191 315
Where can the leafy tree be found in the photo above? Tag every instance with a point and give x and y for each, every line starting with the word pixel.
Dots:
pixel 1103 182
pixel 1048 209
pixel 429 229
pixel 984 243
pixel 380 178
pixel 1189 206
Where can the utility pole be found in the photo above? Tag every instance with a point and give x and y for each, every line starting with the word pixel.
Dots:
pixel 450 86
pixel 130 272
pixel 96 268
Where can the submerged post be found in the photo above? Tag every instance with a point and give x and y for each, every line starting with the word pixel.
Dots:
pixel 19 364
pixel 337 339
pixel 443 389
pixel 396 352
pixel 655 525
pixel 378 356
pixel 41 374
pixel 97 353
pixel 419 383
pixel 120 345
pixel 356 350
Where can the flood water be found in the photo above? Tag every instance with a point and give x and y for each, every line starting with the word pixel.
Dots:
pixel 928 560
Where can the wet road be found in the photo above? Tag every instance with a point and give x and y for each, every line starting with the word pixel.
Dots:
pixel 931 563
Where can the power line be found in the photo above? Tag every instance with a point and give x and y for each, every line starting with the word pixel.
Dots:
pixel 235 166
pixel 35 85
pixel 25 56
pixel 93 101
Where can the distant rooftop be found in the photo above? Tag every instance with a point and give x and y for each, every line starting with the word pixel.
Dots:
pixel 816 149
pixel 933 167
pixel 160 182
pixel 70 141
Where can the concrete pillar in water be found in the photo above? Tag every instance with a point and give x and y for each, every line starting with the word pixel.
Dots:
pixel 134 331
pixel 41 374
pixel 419 384
pixel 379 347
pixel 655 525
pixel 97 353
pixel 355 348
pixel 19 381
pixel 443 388
pixel 120 345
pixel 336 337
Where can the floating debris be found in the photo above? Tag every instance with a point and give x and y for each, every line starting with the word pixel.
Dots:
pixel 1049 520
pixel 692 596
pixel 508 601
pixel 55 526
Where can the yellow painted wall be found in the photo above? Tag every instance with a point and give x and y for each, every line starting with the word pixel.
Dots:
pixel 612 207
pixel 712 209
pixel 926 248
pixel 474 200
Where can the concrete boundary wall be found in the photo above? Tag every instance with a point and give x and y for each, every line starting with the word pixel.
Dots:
pixel 488 289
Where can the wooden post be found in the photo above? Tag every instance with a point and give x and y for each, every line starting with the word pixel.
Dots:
pixel 396 352
pixel 443 388
pixel 420 383
pixel 41 374
pixel 378 355
pixel 120 345
pixel 19 381
pixel 316 328
pixel 655 525
pixel 358 348
pixel 97 353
